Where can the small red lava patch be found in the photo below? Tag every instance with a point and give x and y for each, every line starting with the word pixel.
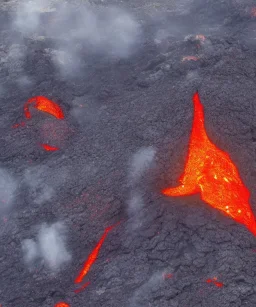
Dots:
pixel 61 304
pixel 22 124
pixel 215 282
pixel 82 288
pixel 167 276
pixel 49 147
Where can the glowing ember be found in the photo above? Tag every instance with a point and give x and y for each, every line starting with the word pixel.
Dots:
pixel 61 304
pixel 189 58
pixel 43 104
pixel 49 148
pixel 211 172
pixel 214 281
pixel 167 276
pixel 22 124
pixel 93 256
pixel 82 288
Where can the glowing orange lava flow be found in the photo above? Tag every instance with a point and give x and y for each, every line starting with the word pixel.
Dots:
pixel 61 304
pixel 212 173
pixel 43 104
pixel 93 256
pixel 49 147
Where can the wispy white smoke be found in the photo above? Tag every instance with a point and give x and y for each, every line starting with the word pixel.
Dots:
pixel 105 30
pixel 49 246
pixel 144 292
pixel 141 161
pixel 27 19
pixel 36 179
pixel 8 188
pixel 30 250
pixel 135 203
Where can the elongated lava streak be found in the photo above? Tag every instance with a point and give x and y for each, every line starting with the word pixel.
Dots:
pixel 211 172
pixel 94 254
pixel 43 104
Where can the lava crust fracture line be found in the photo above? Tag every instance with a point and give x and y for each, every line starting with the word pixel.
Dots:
pixel 94 254
pixel 211 172
pixel 45 105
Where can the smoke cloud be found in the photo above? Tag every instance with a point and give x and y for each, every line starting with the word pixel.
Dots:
pixel 49 246
pixel 144 293
pixel 39 190
pixel 110 31
pixel 141 161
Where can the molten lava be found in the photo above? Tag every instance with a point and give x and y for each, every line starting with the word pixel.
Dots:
pixel 214 281
pixel 49 147
pixel 93 256
pixel 22 124
pixel 82 288
pixel 211 172
pixel 43 104
pixel 61 304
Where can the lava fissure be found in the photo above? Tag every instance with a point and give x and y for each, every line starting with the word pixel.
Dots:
pixel 94 254
pixel 211 172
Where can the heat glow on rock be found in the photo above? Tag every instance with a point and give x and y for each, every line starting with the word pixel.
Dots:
pixel 49 147
pixel 82 288
pixel 211 172
pixel 93 256
pixel 43 104
pixel 215 282
pixel 61 304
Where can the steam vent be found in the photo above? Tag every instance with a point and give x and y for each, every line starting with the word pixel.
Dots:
pixel 128 153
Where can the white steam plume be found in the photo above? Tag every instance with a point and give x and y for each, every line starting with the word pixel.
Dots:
pixel 107 30
pixel 49 246
pixel 141 161
pixel 36 178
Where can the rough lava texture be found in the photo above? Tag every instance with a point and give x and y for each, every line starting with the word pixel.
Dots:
pixel 130 93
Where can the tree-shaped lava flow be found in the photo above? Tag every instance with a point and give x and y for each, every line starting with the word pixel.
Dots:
pixel 43 104
pixel 211 172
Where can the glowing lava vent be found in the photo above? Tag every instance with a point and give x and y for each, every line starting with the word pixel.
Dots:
pixel 43 104
pixel 211 172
